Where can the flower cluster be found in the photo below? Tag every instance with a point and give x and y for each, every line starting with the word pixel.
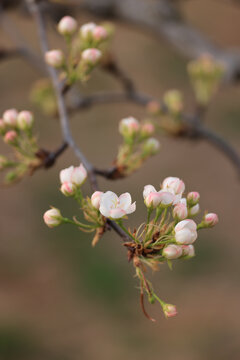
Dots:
pixel 166 236
pixel 85 48
pixel 205 74
pixel 138 144
pixel 16 130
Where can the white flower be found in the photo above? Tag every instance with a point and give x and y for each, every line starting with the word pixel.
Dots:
pixel 75 175
pixel 52 217
pixel 151 146
pixel 172 251
pixel 185 232
pixel 96 198
pixel 153 198
pixel 112 206
pixel 67 25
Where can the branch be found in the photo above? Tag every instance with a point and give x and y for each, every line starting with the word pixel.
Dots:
pixel 163 18
pixel 64 121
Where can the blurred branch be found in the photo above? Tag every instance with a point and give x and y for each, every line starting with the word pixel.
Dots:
pixel 163 18
pixel 22 49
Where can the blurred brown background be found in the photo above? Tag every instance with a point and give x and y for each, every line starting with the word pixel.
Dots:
pixel 59 298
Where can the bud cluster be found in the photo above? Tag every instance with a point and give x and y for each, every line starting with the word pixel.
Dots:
pixel 168 234
pixel 138 144
pixel 206 74
pixel 16 131
pixel 85 48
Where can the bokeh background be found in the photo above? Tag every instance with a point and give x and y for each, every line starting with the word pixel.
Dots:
pixel 59 298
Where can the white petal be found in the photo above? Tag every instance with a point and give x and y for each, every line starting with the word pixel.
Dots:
pixel 65 174
pixel 109 200
pixel 131 208
pixel 117 213
pixel 147 190
pixel 124 201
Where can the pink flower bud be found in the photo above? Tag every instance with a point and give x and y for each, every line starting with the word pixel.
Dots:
pixel 153 199
pixel 86 30
pixel 172 251
pixel 91 56
pixel 68 189
pixel 10 117
pixel 185 232
pixel 75 175
pixel 52 217
pixel 25 120
pixel 67 25
pixel 180 211
pixel 147 129
pixel 188 250
pixel 211 219
pixel 151 146
pixel 193 197
pixel 169 310
pixel 129 126
pixel 99 33
pixel 96 198
pixel 11 137
pixel 54 58
pixel 194 210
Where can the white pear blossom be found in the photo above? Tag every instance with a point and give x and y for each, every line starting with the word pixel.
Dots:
pixel 129 126
pixel 194 210
pixel 114 207
pixel 185 232
pixel 91 56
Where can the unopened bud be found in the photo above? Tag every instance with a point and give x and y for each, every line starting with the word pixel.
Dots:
pixel 96 198
pixel 86 30
pixel 188 250
pixel 180 211
pixel 67 26
pixel 151 146
pixel 54 58
pixel 193 198
pixel 147 129
pixel 210 219
pixel 194 210
pixel 129 127
pixel 68 189
pixel 172 251
pixel 52 217
pixel 173 100
pixel 91 56
pixel 99 33
pixel 25 120
pixel 3 162
pixel 169 310
pixel 10 117
pixel 10 137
